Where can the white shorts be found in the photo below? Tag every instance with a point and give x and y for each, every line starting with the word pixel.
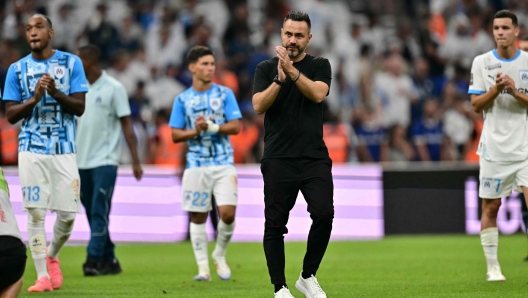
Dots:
pixel 50 181
pixel 498 178
pixel 199 183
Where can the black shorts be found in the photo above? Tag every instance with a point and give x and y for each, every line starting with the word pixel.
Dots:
pixel 12 260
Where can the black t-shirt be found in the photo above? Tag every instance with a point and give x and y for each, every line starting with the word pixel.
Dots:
pixel 293 125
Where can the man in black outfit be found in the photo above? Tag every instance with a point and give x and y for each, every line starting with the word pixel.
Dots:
pixel 290 89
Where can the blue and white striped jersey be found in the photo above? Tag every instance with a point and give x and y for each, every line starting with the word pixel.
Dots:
pixel 48 129
pixel 218 103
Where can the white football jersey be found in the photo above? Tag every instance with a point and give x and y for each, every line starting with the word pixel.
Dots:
pixel 8 223
pixel 505 133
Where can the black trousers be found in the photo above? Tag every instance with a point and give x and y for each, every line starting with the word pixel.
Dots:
pixel 283 179
pixel 12 260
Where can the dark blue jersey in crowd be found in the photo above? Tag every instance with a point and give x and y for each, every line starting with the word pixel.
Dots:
pixel 372 138
pixel 429 133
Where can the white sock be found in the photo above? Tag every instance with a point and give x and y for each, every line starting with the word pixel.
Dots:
pixel 61 232
pixel 489 238
pixel 199 243
pixel 37 239
pixel 225 232
pixel 42 269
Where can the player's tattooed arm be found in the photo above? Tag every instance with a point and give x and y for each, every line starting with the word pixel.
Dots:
pixel 16 111
pixel 483 101
pixel 74 103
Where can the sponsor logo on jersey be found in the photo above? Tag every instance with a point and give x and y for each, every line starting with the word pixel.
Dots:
pixel 493 66
pixel 523 74
pixel 522 90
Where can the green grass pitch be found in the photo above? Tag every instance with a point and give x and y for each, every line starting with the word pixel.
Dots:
pixel 419 266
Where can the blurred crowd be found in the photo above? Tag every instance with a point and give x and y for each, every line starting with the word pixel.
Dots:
pixel 400 68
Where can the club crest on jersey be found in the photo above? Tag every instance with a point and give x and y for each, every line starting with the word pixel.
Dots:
pixel 523 74
pixel 59 72
pixel 215 103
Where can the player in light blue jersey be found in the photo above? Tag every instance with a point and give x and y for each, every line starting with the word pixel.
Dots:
pixel 204 115
pixel 46 90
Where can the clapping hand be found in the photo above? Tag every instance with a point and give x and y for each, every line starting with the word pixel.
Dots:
pixel 39 90
pixel 285 64
pixel 49 84
pixel 509 84
pixel 201 124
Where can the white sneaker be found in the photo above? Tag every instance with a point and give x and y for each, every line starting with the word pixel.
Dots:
pixel 284 293
pixel 310 287
pixel 222 269
pixel 495 274
pixel 203 277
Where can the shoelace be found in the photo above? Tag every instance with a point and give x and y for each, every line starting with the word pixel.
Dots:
pixel 314 286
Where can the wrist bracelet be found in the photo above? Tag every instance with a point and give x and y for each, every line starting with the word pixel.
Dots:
pixel 212 127
pixel 297 77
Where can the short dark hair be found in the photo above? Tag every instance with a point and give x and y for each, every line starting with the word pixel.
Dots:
pixel 298 16
pixel 45 17
pixel 502 14
pixel 198 52
pixel 90 52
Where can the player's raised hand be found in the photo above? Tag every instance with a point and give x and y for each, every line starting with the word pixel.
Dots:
pixel 284 59
pixel 49 84
pixel 282 75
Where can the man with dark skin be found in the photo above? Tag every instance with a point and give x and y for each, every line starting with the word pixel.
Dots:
pixel 99 138
pixel 46 90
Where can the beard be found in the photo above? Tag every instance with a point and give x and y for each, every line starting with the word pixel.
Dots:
pixel 37 49
pixel 294 51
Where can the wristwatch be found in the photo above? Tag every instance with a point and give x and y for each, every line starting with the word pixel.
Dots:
pixel 276 80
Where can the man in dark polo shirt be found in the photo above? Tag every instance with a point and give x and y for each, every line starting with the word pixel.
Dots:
pixel 289 89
